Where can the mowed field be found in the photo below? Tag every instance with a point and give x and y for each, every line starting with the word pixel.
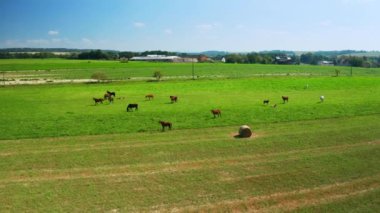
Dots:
pixel 60 152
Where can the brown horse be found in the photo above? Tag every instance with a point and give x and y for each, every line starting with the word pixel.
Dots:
pixel 111 93
pixel 266 102
pixel 132 106
pixel 149 96
pixel 285 99
pixel 173 98
pixel 108 97
pixel 98 100
pixel 165 124
pixel 216 112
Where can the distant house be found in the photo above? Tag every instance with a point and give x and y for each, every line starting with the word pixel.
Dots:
pixel 283 60
pixel 187 60
pixel 202 58
pixel 162 58
pixel 156 58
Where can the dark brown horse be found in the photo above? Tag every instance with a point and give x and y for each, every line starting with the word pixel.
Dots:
pixel 149 96
pixel 98 100
pixel 216 112
pixel 108 97
pixel 266 102
pixel 130 107
pixel 111 93
pixel 165 124
pixel 173 98
pixel 285 99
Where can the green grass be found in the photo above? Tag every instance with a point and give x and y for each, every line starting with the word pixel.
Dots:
pixel 61 153
pixel 59 110
pixel 289 164
pixel 83 69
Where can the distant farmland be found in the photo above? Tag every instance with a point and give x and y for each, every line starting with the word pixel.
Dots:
pixel 48 69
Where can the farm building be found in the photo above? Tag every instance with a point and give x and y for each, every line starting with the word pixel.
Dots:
pixel 162 58
pixel 283 60
pixel 326 63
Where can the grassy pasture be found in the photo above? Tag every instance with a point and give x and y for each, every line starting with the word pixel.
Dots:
pixel 62 110
pixel 83 69
pixel 316 165
pixel 61 153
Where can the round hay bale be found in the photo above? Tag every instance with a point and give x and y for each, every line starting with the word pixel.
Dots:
pixel 245 131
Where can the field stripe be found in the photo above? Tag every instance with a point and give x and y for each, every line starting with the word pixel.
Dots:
pixel 286 201
pixel 152 169
pixel 109 146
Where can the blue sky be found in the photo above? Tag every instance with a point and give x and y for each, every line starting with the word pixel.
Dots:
pixel 196 25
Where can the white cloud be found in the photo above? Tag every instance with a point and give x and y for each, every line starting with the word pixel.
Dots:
pixel 87 41
pixel 12 44
pixel 56 40
pixel 53 32
pixel 168 31
pixel 239 26
pixel 205 26
pixel 208 27
pixel 325 23
pixel 357 1
pixel 39 42
pixel 139 24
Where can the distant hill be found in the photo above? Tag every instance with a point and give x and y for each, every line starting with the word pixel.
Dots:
pixel 42 50
pixel 214 53
pixel 367 54
pixel 47 50
pixel 336 53
pixel 280 52
pixel 210 53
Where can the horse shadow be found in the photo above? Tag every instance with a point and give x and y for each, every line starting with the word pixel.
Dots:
pixel 93 105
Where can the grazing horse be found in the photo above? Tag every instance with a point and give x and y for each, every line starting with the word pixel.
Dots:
pixel 132 106
pixel 165 124
pixel 149 96
pixel 266 102
pixel 108 97
pixel 111 93
pixel 285 99
pixel 216 112
pixel 322 98
pixel 173 98
pixel 98 100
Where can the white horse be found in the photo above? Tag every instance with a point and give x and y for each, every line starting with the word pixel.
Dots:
pixel 322 98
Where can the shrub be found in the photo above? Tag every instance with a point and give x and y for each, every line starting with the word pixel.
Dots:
pixel 99 76
pixel 157 75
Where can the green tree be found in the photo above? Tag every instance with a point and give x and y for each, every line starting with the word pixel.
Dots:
pixel 157 75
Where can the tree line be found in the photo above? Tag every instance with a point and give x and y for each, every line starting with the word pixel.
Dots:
pixel 305 58
pixel 265 57
pixel 85 55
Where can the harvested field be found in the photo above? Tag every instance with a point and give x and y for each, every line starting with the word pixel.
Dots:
pixel 195 170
